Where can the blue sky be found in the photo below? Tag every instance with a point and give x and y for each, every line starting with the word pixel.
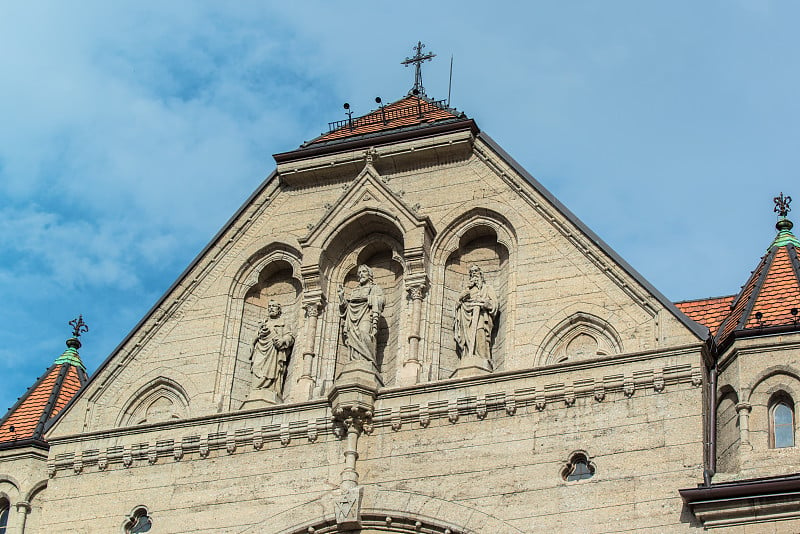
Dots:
pixel 131 131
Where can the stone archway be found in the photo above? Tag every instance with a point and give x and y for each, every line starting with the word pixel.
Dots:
pixel 383 510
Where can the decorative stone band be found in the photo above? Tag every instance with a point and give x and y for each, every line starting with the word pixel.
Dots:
pixel 419 416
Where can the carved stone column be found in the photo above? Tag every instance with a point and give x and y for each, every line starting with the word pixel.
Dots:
pixel 306 382
pixel 353 417
pixel 743 409
pixel 23 509
pixel 409 372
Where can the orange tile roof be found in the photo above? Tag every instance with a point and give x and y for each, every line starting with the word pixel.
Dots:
pixel 769 295
pixel 779 293
pixel 43 401
pixel 408 111
pixel 708 312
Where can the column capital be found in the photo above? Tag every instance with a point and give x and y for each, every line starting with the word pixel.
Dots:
pixel 744 407
pixel 417 291
pixel 313 308
pixel 23 507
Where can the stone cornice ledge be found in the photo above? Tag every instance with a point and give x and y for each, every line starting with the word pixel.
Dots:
pixel 462 401
pixel 745 502
pixel 524 374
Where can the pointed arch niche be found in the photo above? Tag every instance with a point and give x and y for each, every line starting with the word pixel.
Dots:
pixel 160 400
pixel 581 336
pixel 369 224
pixel 371 239
pixel 486 239
pixel 270 273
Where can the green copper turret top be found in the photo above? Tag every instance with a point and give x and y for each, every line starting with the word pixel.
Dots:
pixel 70 355
pixel 784 225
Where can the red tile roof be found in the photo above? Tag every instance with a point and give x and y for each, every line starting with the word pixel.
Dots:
pixel 406 112
pixel 708 312
pixel 43 401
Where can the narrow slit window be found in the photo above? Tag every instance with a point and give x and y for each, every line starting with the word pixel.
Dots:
pixel 782 425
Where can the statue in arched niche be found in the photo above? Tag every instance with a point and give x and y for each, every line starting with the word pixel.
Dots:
pixel 269 358
pixel 476 309
pixel 360 314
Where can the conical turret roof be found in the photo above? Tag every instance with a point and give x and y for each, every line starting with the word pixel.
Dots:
pixel 25 422
pixel 768 301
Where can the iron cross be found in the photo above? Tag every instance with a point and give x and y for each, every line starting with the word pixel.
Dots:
pixel 417 62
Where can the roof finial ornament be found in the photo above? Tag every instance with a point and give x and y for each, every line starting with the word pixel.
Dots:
pixel 78 326
pixel 417 60
pixel 782 205
pixel 782 209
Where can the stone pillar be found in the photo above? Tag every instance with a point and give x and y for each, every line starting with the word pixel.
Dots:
pixel 743 410
pixel 409 372
pixel 23 509
pixel 349 473
pixel 306 382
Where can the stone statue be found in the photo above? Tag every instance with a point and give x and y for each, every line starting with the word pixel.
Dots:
pixel 475 312
pixel 360 314
pixel 271 351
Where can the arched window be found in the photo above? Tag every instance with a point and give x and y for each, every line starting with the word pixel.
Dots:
pixel 5 506
pixel 138 522
pixel 781 421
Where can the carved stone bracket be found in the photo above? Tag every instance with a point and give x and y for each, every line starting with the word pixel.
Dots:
pixel 312 431
pixel 658 380
pixel 424 415
pixel 628 386
pixel 285 436
pixel 480 407
pixel 452 410
pixel 230 442
pixel 352 400
pixel 347 506
pixel 511 404
pixel 397 421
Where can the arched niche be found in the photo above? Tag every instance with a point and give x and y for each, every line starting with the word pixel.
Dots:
pixel 728 432
pixel 381 250
pixel 581 336
pixel 160 400
pixel 34 499
pixel 478 244
pixel 272 272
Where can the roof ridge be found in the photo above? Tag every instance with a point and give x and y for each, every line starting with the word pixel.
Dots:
pixel 51 401
pixel 704 298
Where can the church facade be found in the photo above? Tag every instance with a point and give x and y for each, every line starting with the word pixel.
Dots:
pixel 401 330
